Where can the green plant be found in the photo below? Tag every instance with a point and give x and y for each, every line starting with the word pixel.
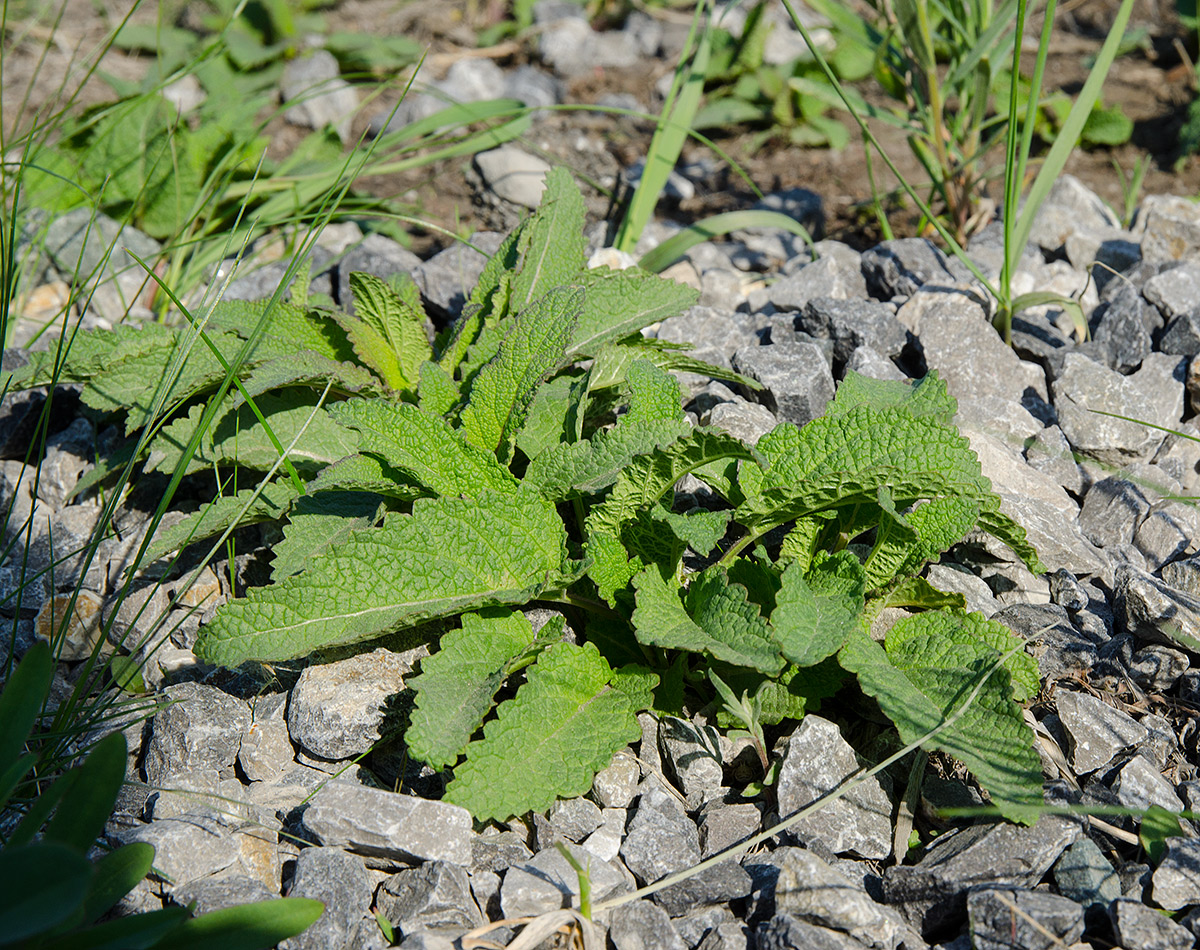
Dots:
pixel 1018 214
pixel 532 455
pixel 791 101
pixel 55 893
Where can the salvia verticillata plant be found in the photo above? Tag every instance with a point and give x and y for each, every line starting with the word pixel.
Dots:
pixel 533 454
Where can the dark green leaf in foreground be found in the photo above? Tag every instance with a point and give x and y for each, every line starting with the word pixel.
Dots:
pixel 449 555
pixel 458 684
pixel 933 663
pixel 564 725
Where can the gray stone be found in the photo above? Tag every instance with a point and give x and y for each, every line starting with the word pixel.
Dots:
pixel 209 894
pixel 383 824
pixel 866 362
pixel 616 784
pixel 1096 732
pixel 722 826
pixel 1004 918
pixel 1069 207
pixel 135 617
pixel 904 266
pixel 851 324
pixel 747 421
pixel 317 94
pixel 255 282
pixel 266 749
pixel 785 932
pixel 1157 668
pixel 1059 648
pixel 1112 510
pixel 339 710
pixel 201 727
pixel 693 927
pixel 727 881
pixel 340 881
pixel 816 760
pixel 1139 784
pixel 1161 378
pixel 642 925
pixel 796 379
pixel 1083 874
pixel 447 279
pixel 1154 611
pixel 661 839
pixel 1136 925
pixel 574 818
pixel 691 754
pixel 533 86
pixel 956 579
pixel 715 334
pixel 727 935
pixel 606 840
pixel 69 456
pixel 960 343
pixel 435 896
pixel 1121 324
pixel 1040 505
pixel 1106 252
pixel 827 277
pixel 1085 387
pixel 1176 881
pixel 548 882
pixel 1183 576
pixel 78 243
pixel 186 850
pixel 377 255
pixel 934 890
pixel 1170 530
pixel 1162 745
pixel 1175 290
pixel 192 791
pixel 1170 229
pixel 513 174
pixel 497 852
pixel 1182 336
pixel 808 888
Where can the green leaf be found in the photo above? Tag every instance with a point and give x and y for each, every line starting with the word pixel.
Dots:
pixel 725 626
pixel 553 416
pixel 928 672
pixel 44 884
pixel 699 529
pixel 904 544
pixel 286 330
pixel 317 523
pixel 816 610
pixel 449 555
pixel 271 504
pixel 458 684
pixel 309 368
pixel 257 926
pixel 532 351
pixel 653 393
pixel 566 722
pixel 926 398
pixel 116 874
pixel 437 392
pixel 88 802
pixel 366 473
pixel 551 245
pixel 238 438
pixel 1156 827
pixel 91 352
pixel 21 701
pixel 398 326
pixel 423 447
pixel 618 303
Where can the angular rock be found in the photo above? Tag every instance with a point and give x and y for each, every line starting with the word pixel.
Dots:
pixel 187 850
pixel 71 624
pixel 642 925
pixel 266 749
pixel 727 881
pixel 747 421
pixel 209 894
pixel 1083 874
pixel 934 890
pixel 340 881
pixel 1096 732
pixel 383 824
pixel 317 94
pixel 513 174
pixel 435 896
pixel 661 839
pixel 796 379
pixel 1003 918
pixel 722 826
pixel 338 710
pixel 1153 610
pixel 715 334
pixel 616 784
pixel 447 279
pixel 1171 229
pixel 574 818
pixel 548 882
pixel 1137 925
pixel 1112 510
pixel 816 759
pixel 1176 881
pixel 691 754
pixel 728 935
pixel 786 932
pixel 826 277
pixel 851 324
pixel 1122 324
pixel 1069 207
pixel 1085 387
pixel 904 266
pixel 1157 668
pixel 605 841
pixel 1139 784
pixel 201 727
pixel 377 255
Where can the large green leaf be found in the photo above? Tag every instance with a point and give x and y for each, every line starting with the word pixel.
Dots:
pixel 552 244
pixel 449 555
pixel 618 303
pixel 565 724
pixel 815 611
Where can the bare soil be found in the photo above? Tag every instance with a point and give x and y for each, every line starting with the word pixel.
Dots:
pixel 47 62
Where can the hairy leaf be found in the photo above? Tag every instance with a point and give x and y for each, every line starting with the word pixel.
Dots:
pixel 816 610
pixel 726 628
pixel 424 448
pixel 305 366
pixel 387 332
pixel 318 522
pixel 458 684
pixel 552 245
pixel 449 555
pixel 618 303
pixel 928 673
pixel 533 349
pixel 565 724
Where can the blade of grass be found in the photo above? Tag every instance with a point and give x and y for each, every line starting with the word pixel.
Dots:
pixel 678 244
